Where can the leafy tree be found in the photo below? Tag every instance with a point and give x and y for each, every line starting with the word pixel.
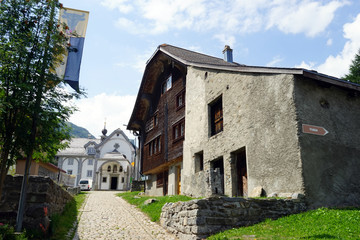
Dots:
pixel 33 112
pixel 354 71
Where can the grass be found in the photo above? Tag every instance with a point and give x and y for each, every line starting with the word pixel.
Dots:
pixel 322 223
pixel 62 224
pixel 153 210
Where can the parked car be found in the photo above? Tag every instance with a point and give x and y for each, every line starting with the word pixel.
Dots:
pixel 85 184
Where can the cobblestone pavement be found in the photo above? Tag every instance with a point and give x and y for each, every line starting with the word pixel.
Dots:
pixel 106 216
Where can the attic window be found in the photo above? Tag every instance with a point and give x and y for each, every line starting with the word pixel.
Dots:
pixel 167 85
pixel 91 151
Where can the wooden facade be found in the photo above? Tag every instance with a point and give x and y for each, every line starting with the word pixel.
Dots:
pixel 165 125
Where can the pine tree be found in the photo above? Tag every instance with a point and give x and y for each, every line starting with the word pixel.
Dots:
pixel 354 71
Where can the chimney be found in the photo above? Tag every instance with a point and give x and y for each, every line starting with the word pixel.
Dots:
pixel 228 54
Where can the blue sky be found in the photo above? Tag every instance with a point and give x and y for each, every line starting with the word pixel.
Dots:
pixel 123 34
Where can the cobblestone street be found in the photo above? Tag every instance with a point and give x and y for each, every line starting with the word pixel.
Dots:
pixel 106 216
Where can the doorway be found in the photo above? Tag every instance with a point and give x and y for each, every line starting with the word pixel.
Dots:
pixel 114 183
pixel 166 180
pixel 218 185
pixel 240 179
pixel 178 174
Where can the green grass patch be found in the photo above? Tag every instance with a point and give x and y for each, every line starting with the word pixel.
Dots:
pixel 62 224
pixel 322 223
pixel 153 210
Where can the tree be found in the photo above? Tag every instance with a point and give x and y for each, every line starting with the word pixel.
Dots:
pixel 33 109
pixel 354 71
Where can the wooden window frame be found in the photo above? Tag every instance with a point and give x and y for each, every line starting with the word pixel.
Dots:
pixel 167 84
pixel 179 130
pixel 181 96
pixel 154 146
pixel 216 117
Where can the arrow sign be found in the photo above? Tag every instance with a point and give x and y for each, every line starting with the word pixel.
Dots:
pixel 316 130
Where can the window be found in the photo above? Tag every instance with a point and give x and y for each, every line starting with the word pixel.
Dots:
pixel 149 125
pixel 114 168
pixel 89 173
pixel 179 130
pixel 167 85
pixel 109 168
pixel 216 115
pixel 120 169
pixel 71 161
pixel 122 180
pixel 154 146
pixel 90 162
pixel 91 150
pixel 156 121
pixel 104 179
pixel 69 172
pixel 180 100
pixel 199 161
pixel 159 180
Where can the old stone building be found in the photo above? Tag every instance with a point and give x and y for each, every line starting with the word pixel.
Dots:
pixel 107 161
pixel 278 130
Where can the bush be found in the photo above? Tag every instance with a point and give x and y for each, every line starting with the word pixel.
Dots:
pixel 7 233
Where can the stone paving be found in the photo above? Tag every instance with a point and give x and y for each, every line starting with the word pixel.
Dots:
pixel 106 216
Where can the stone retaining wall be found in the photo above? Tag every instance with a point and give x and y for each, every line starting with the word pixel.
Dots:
pixel 42 193
pixel 137 186
pixel 198 219
pixel 73 190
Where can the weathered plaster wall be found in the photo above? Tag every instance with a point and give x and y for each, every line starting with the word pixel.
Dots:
pixel 332 162
pixel 258 114
pixel 151 188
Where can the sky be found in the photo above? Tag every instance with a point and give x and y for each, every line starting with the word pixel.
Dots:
pixel 122 35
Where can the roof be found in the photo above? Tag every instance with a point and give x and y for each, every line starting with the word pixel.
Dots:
pixel 189 58
pixel 76 147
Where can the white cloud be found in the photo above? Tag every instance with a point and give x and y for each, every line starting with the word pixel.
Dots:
pixel 305 65
pixel 275 61
pixel 329 42
pixel 309 17
pixel 93 112
pixel 119 4
pixel 339 65
pixel 226 39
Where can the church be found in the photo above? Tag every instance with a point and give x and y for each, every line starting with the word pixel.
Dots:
pixel 108 162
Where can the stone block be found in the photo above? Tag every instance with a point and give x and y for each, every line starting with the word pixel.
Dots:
pixel 257 192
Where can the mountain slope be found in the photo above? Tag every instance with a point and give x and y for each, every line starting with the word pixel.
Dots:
pixel 79 132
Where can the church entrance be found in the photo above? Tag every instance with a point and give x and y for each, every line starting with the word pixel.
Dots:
pixel 114 183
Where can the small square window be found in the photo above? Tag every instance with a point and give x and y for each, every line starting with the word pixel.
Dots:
pixel 90 162
pixel 69 172
pixel 89 173
pixel 122 180
pixel 104 179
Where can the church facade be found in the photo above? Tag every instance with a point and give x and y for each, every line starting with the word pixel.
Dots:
pixel 108 161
